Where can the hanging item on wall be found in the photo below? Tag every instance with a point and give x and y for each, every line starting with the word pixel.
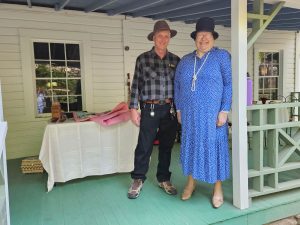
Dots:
pixel 128 88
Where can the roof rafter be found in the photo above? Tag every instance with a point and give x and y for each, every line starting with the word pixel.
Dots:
pixel 291 28
pixel 61 4
pixel 169 7
pixel 221 12
pixel 140 4
pixel 98 5
pixel 286 19
pixel 287 16
pixel 29 3
pixel 286 22
pixel 209 7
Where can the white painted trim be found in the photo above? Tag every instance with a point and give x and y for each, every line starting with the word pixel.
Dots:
pixel 239 112
pixel 27 36
pixel 3 127
pixel 3 162
pixel 282 68
pixel 126 55
pixel 297 62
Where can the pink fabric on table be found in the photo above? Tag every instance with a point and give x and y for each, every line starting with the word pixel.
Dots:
pixel 117 115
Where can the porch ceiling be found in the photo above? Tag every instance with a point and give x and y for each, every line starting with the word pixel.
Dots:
pixel 187 11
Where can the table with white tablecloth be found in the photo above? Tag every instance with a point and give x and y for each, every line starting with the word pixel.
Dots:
pixel 75 150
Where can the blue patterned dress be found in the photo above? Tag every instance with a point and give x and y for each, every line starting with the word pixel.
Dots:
pixel 204 146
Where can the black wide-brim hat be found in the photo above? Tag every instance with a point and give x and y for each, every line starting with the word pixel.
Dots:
pixel 160 26
pixel 205 24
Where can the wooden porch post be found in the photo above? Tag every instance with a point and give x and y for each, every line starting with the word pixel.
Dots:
pixel 297 64
pixel 239 113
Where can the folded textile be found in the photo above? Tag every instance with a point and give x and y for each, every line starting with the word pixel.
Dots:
pixel 117 115
pixel 80 116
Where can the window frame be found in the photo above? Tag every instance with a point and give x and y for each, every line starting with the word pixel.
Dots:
pixel 51 60
pixel 27 38
pixel 257 50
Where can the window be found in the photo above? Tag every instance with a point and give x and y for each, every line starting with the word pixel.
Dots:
pixel 57 76
pixel 268 75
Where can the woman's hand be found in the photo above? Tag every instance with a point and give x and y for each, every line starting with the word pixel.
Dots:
pixel 135 117
pixel 222 118
pixel 179 117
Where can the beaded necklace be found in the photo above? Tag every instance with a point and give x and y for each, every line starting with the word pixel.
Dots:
pixel 193 88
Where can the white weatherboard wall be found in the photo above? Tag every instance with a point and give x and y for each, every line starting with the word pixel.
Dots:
pixel 103 81
pixel 105 62
pixel 285 43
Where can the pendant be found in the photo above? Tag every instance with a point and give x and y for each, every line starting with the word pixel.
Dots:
pixel 152 114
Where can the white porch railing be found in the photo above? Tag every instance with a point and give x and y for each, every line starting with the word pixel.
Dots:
pixel 274 152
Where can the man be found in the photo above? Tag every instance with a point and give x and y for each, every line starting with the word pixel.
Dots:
pixel 153 87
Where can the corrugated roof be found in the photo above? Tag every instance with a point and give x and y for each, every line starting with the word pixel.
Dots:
pixel 187 11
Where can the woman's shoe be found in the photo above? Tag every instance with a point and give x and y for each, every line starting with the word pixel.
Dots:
pixel 217 201
pixel 187 192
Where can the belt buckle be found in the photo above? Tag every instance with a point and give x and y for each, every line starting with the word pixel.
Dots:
pixel 161 102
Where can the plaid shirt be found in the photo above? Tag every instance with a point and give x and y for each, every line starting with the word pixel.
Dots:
pixel 153 77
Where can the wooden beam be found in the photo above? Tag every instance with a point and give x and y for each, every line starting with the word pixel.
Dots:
pixel 177 5
pixel 256 16
pixel 29 3
pixel 256 32
pixel 134 6
pixel 258 9
pixel 297 63
pixel 61 4
pixel 98 5
pixel 239 111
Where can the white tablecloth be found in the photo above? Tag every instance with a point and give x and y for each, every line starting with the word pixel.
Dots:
pixel 76 150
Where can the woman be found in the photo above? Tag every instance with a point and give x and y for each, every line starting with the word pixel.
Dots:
pixel 203 92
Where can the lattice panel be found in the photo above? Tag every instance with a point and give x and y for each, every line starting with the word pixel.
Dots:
pixel 274 151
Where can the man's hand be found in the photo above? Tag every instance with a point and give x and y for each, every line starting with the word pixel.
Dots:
pixel 222 118
pixel 179 117
pixel 135 117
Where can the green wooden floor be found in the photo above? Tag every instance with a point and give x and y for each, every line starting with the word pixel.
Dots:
pixel 102 200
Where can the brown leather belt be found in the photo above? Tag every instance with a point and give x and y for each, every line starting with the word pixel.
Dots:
pixel 159 102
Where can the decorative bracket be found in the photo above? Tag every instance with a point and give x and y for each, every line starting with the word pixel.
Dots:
pixel 261 21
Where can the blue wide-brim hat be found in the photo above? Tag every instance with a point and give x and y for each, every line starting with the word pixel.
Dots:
pixel 205 24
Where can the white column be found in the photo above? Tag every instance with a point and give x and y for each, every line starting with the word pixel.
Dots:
pixel 297 64
pixel 239 115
